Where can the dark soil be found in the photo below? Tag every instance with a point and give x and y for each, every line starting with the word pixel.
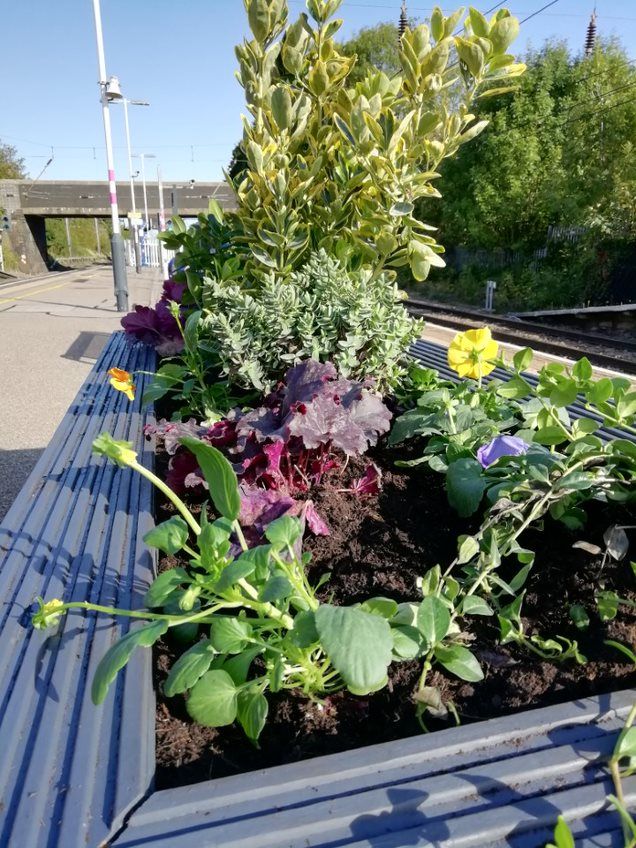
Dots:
pixel 381 545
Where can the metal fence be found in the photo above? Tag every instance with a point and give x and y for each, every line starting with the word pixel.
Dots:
pixel 153 253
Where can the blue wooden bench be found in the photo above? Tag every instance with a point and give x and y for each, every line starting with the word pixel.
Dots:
pixel 74 775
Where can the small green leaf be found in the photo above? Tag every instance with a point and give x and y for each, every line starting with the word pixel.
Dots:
pixel 579 616
pixel 164 585
pixel 229 635
pixel 465 485
pixel 400 209
pixel 473 605
pixel 170 536
pixel 564 393
pixel 252 712
pixel 582 369
pixel 460 662
pixel 189 668
pixel 626 744
pixel 607 603
pixel 283 532
pixel 562 835
pixel 522 358
pixel 219 476
pixel 468 548
pixel 118 655
pixel 359 645
pixel 433 619
pixel 408 642
pixel 213 699
pixel 601 391
pixel 551 435
pixel 276 588
pixel 386 607
pixel 235 571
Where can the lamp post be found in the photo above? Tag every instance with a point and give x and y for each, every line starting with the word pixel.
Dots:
pixel 109 91
pixel 133 205
pixel 143 157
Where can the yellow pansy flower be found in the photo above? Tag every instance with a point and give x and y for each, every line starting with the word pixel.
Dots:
pixel 122 381
pixel 48 614
pixel 472 353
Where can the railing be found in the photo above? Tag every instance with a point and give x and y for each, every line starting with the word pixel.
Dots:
pixel 151 251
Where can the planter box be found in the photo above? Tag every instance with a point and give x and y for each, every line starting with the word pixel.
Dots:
pixel 73 775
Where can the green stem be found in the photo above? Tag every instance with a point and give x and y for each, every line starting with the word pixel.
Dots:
pixel 167 491
pixel 149 616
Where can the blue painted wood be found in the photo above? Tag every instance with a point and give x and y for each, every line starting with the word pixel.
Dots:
pixel 69 771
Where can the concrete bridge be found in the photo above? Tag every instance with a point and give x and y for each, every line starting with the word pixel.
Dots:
pixel 29 204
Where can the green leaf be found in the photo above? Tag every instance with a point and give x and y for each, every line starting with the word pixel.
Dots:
pixel 631 656
pixel 433 619
pixel 626 745
pixel 238 666
pixel 478 23
pixel 601 391
pixel 551 435
pixel 189 668
pixel 564 393
pixel 503 32
pixel 607 603
pixel 235 571
pixel 276 588
pixel 582 369
pixel 118 655
pixel 252 709
pixel 473 605
pixel 164 585
pixel 219 476
pixel 178 225
pixel 460 662
pixel 359 645
pixel 283 532
pixel 563 835
pixel 229 635
pixel 170 536
pixel 579 616
pixel 408 642
pixel 304 632
pixel 213 699
pixel 522 358
pixel 400 209
pixel 468 548
pixel 465 485
pixel 386 607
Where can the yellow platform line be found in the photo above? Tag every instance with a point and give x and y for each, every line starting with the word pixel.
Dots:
pixel 39 291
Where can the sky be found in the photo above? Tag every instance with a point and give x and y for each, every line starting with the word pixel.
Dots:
pixel 179 56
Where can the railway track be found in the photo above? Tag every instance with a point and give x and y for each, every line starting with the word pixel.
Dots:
pixel 603 351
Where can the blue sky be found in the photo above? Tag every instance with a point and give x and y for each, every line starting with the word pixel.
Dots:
pixel 179 56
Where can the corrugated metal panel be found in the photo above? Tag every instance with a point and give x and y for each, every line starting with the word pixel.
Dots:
pixel 69 771
pixel 500 782
pixel 433 355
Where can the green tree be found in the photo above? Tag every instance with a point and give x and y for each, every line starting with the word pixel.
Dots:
pixel 559 153
pixel 11 165
pixel 376 48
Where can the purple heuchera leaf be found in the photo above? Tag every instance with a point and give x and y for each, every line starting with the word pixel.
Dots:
pixel 304 381
pixel 314 521
pixel 369 483
pixel 501 446
pixel 157 327
pixel 259 507
pixel 169 432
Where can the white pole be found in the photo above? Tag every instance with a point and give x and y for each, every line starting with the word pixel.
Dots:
pixel 162 226
pixel 117 245
pixel 133 207
pixel 143 180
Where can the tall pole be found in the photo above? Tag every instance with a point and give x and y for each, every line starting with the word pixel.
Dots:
pixel 143 182
pixel 116 241
pixel 133 206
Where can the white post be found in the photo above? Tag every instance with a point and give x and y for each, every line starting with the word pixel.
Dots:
pixel 143 180
pixel 117 244
pixel 133 207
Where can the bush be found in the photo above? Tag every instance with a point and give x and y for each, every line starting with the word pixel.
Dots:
pixel 322 312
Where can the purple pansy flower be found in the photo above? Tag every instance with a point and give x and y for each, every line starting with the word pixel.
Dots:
pixel 501 446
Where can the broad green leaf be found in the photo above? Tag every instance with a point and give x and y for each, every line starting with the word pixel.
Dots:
pixel 235 571
pixel 478 23
pixel 400 209
pixel 465 485
pixel 118 655
pixel 433 619
pixel 582 369
pixel 283 532
pixel 564 393
pixel 178 225
pixel 170 536
pixel 473 605
pixel 460 662
pixel 252 712
pixel 276 588
pixel 522 358
pixel 229 635
pixel 213 699
pixel 408 642
pixel 386 607
pixel 607 603
pixel 551 435
pixel 164 585
pixel 468 548
pixel 359 645
pixel 626 744
pixel 189 668
pixel 238 666
pixel 579 616
pixel 304 632
pixel 562 835
pixel 601 391
pixel 503 32
pixel 219 476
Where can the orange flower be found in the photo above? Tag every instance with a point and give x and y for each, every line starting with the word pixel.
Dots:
pixel 122 381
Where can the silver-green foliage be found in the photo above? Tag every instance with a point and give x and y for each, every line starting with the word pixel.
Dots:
pixel 322 311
